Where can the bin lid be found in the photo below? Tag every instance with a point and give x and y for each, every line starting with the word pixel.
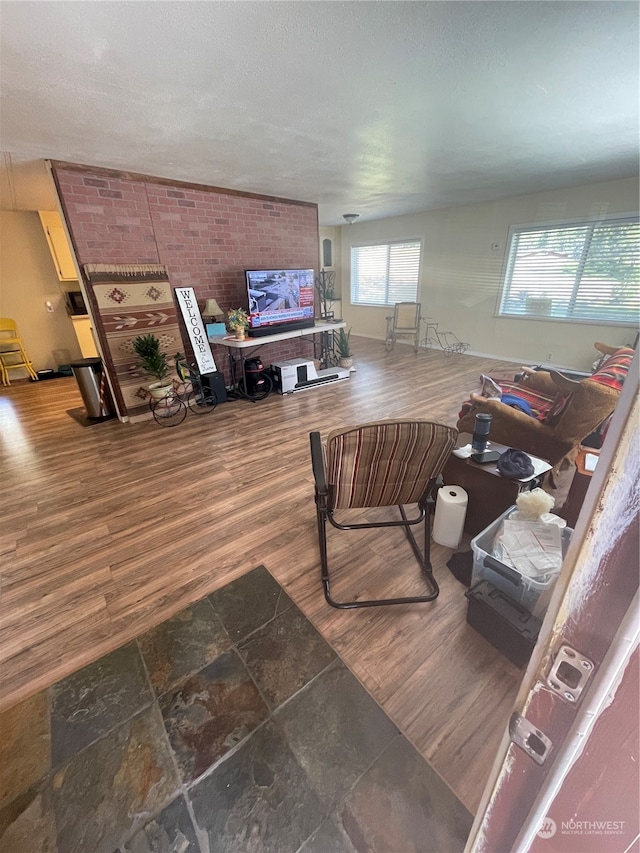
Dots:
pixel 85 362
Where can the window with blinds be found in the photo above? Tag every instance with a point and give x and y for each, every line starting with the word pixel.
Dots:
pixel 587 271
pixel 385 273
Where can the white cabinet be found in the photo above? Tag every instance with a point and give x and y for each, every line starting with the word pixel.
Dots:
pixel 58 245
pixel 84 334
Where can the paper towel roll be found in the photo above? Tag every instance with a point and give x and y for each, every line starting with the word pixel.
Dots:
pixel 451 510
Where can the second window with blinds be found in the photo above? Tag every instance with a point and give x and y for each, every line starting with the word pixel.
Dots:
pixel 576 271
pixel 385 273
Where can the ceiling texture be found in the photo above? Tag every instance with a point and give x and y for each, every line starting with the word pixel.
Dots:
pixel 378 108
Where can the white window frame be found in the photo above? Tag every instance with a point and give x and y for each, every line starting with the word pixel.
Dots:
pixel 539 304
pixel 388 298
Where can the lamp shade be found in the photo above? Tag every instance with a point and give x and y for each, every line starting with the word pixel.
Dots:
pixel 212 309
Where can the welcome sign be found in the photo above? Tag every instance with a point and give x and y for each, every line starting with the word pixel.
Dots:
pixel 195 328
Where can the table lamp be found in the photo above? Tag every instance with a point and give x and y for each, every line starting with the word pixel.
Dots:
pixel 210 314
pixel 212 310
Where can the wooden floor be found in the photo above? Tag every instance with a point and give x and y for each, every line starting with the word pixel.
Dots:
pixel 108 530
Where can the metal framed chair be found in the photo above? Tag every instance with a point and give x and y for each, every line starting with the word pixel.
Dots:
pixel 405 323
pixel 12 352
pixel 392 463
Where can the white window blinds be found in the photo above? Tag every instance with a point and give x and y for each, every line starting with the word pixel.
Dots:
pixel 386 273
pixel 586 271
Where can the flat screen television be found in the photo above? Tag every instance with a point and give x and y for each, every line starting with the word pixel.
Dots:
pixel 279 300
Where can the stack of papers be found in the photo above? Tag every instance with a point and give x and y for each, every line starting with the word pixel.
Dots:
pixel 532 548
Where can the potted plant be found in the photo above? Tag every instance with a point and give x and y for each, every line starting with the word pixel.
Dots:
pixel 343 346
pixel 238 322
pixel 154 362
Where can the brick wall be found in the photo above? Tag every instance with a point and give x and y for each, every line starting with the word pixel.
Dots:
pixel 205 236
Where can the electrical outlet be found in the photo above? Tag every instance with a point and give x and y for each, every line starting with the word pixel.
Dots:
pixel 549 356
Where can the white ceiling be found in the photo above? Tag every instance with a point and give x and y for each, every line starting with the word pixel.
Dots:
pixel 379 108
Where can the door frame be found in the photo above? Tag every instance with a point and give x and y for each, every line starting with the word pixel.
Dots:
pixel 594 611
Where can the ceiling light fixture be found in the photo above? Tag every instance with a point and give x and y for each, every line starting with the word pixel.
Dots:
pixel 350 218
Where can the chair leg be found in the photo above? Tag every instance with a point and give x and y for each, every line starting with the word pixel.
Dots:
pixel 29 367
pixel 322 544
pixel 423 560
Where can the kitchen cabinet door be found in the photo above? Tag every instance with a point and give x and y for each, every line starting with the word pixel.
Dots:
pixel 58 245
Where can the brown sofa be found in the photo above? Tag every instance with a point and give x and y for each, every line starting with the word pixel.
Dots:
pixel 563 411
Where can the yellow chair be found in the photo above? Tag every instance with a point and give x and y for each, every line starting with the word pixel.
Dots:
pixel 405 323
pixel 12 348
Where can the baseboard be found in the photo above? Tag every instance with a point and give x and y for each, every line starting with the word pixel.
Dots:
pixel 562 368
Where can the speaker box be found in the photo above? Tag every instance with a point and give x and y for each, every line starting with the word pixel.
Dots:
pixel 215 383
pixel 505 623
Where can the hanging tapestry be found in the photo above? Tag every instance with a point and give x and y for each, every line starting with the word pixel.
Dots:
pixel 130 300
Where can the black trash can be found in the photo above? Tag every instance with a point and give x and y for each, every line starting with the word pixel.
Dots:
pixel 93 386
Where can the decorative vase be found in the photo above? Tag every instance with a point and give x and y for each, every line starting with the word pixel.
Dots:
pixel 158 390
pixel 346 361
pixel 240 335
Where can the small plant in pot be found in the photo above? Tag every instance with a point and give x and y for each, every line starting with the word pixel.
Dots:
pixel 343 346
pixel 155 363
pixel 238 322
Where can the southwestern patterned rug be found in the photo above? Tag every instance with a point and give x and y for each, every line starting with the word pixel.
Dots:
pixel 132 300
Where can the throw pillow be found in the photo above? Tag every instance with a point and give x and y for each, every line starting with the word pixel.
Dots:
pixel 613 370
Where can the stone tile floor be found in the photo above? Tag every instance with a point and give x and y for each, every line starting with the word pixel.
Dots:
pixel 233 726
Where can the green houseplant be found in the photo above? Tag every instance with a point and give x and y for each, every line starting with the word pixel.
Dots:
pixel 343 346
pixel 154 362
pixel 238 321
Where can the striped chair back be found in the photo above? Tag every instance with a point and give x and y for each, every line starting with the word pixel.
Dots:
pixel 385 463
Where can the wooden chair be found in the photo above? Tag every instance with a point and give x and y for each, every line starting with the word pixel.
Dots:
pixel 405 323
pixel 382 464
pixel 12 348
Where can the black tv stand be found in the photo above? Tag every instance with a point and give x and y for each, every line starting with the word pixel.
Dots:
pixel 276 329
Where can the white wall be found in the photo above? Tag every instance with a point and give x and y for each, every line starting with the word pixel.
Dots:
pixel 461 275
pixel 27 280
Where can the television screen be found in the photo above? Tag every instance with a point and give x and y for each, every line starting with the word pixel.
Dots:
pixel 280 298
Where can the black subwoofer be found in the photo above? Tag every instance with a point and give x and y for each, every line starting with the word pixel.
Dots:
pixel 214 382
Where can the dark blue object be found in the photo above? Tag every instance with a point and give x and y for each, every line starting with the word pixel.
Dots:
pixel 515 465
pixel 516 403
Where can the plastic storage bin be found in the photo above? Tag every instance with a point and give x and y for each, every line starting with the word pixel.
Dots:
pixel 532 594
